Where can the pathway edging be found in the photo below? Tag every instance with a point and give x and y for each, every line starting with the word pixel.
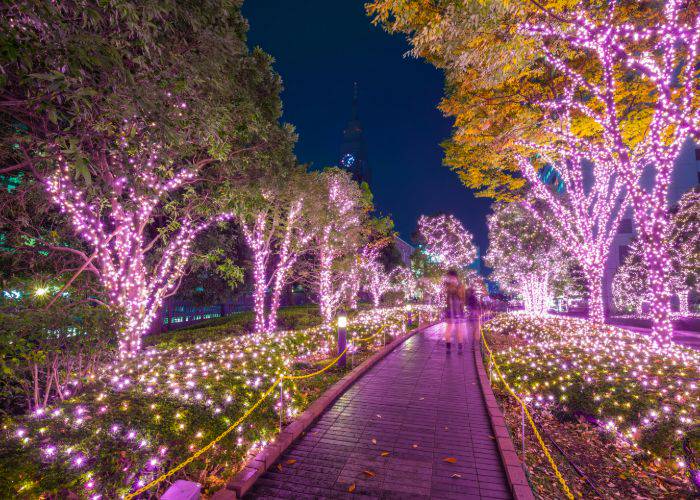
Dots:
pixel 258 465
pixel 517 480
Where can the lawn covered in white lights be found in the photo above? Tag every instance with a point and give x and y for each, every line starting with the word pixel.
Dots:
pixel 643 398
pixel 141 417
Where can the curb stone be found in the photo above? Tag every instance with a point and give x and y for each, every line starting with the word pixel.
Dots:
pixel 258 465
pixel 517 480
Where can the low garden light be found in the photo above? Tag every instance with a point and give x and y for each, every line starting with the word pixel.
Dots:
pixel 409 314
pixel 342 320
pixel 342 337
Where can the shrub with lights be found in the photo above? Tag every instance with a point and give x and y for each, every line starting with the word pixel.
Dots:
pixel 645 396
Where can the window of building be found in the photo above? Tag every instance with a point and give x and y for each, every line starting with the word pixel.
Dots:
pixel 626 226
pixel 623 251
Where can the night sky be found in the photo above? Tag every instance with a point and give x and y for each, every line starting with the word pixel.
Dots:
pixel 321 47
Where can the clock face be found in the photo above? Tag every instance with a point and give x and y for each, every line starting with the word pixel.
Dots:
pixel 348 160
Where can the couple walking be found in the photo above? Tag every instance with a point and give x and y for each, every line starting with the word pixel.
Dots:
pixel 458 320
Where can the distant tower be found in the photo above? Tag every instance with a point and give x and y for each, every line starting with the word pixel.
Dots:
pixel 353 155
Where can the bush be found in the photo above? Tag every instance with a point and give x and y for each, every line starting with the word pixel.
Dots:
pixel 143 416
pixel 49 354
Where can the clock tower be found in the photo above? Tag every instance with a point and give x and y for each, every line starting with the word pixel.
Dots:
pixel 353 155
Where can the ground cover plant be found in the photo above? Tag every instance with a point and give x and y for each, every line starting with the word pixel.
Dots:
pixel 140 417
pixel 582 378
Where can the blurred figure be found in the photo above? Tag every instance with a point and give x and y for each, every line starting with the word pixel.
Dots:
pixel 454 310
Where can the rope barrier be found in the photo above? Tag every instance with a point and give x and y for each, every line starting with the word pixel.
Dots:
pixel 381 328
pixel 264 396
pixel 497 369
pixel 207 447
pixel 302 377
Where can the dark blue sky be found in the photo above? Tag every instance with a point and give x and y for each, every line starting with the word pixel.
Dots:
pixel 321 47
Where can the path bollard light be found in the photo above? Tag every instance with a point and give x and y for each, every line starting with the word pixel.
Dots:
pixel 409 314
pixel 342 337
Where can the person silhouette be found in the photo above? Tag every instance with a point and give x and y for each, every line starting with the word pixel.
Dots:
pixel 454 310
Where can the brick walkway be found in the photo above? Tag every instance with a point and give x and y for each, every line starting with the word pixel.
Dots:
pixel 421 407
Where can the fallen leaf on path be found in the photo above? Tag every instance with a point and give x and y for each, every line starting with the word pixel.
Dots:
pixel 368 473
pixel 415 445
pixel 351 488
pixel 378 415
pixel 385 453
pixel 456 476
pixel 450 460
pixel 291 461
pixel 446 428
pixel 422 399
pixel 374 440
pixel 279 467
pixel 492 437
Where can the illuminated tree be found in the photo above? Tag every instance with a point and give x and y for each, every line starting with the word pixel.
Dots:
pixel 524 258
pixel 278 229
pixel 586 215
pixel 406 282
pixel 447 241
pixel 684 245
pixel 139 262
pixel 495 75
pixel 659 57
pixel 340 216
pixel 141 135
pixel 630 283
pixel 376 280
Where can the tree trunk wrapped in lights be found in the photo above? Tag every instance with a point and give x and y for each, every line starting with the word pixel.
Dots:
pixel 377 280
pixel 586 214
pixel 340 215
pixel 660 58
pixel 631 285
pixel 524 257
pixel 139 263
pixel 278 230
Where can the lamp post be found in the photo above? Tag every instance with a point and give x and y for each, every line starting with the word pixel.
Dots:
pixel 342 337
pixel 409 314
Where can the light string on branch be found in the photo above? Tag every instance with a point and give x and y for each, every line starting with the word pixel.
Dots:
pixel 663 56
pixel 116 226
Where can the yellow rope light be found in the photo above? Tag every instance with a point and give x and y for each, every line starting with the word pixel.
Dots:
pixel 371 336
pixel 561 479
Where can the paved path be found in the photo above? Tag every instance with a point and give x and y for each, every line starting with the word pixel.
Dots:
pixel 420 406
